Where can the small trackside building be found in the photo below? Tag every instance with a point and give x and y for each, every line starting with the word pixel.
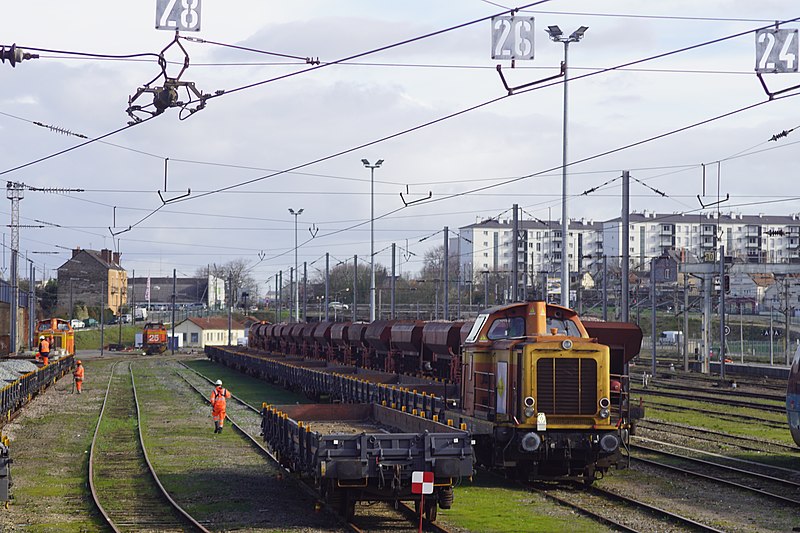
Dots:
pixel 199 332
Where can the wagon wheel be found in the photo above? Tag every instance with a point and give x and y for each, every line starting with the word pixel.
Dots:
pixel 348 505
pixel 431 510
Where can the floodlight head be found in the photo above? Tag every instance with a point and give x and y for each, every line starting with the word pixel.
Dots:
pixel 300 212
pixel 554 32
pixel 366 163
pixel 577 35
pixel 291 210
pixel 379 162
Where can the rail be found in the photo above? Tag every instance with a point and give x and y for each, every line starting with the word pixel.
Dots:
pixel 189 520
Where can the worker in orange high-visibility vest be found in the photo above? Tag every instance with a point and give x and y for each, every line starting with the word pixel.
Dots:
pixel 77 375
pixel 218 404
pixel 44 350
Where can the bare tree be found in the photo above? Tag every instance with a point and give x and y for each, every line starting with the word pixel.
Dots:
pixel 237 271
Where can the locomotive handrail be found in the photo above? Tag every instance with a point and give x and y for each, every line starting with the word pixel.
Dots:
pixel 490 392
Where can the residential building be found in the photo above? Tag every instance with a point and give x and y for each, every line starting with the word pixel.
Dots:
pixel 200 332
pixel 486 246
pixel 747 238
pixel 92 278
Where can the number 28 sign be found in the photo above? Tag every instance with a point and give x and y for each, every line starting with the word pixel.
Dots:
pixel 180 15
pixel 776 51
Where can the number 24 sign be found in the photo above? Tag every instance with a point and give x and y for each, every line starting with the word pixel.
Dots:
pixel 181 15
pixel 776 51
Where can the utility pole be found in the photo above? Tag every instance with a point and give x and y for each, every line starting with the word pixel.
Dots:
pixel 102 316
pixel 174 298
pixel 514 254
pixel 32 308
pixel 685 318
pixel 605 287
pixel 393 284
pixel 327 285
pixel 624 245
pixel 355 287
pixel 722 312
pixel 446 276
pixel 14 192
pixel 653 312
pixel 230 309
pixel 305 293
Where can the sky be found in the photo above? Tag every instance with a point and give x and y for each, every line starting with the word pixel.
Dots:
pixel 423 95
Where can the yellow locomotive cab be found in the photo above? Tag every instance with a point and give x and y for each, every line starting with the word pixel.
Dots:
pixel 546 394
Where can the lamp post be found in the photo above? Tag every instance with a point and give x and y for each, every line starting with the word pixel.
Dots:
pixel 556 35
pixel 372 168
pixel 297 285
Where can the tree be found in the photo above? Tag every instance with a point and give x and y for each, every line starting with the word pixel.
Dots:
pixel 237 272
pixel 48 297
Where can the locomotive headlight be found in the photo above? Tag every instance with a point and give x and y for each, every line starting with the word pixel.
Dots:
pixel 529 412
pixel 604 403
pixel 566 344
pixel 604 413
pixel 529 401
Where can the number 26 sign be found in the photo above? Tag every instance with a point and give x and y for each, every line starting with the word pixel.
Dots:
pixel 180 15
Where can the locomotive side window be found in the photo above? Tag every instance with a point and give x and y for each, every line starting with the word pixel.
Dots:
pixel 564 326
pixel 476 328
pixel 507 328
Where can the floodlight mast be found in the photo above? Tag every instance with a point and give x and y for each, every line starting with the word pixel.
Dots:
pixel 556 35
pixel 372 168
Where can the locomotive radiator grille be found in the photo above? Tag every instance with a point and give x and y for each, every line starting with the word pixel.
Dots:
pixel 566 386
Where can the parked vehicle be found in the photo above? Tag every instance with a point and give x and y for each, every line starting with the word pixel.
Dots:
pixel 76 324
pixel 140 313
pixel 126 318
pixel 338 306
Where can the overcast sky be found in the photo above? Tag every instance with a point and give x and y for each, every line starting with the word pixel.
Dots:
pixel 303 121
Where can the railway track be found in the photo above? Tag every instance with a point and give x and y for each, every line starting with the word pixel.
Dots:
pixel 247 420
pixel 718 414
pixel 724 391
pixel 778 489
pixel 742 442
pixel 711 399
pixel 117 453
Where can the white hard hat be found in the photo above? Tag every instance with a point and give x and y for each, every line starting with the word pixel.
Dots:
pixel 219 382
pixel 41 337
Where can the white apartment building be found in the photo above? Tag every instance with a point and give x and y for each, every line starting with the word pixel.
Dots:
pixel 487 245
pixel 747 238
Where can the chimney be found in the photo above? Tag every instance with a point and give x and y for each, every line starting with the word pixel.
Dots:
pixel 76 251
pixel 105 255
pixel 115 256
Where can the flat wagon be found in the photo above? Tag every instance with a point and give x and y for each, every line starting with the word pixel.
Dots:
pixel 367 452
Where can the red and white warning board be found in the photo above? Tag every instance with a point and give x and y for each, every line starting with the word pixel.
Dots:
pixel 422 483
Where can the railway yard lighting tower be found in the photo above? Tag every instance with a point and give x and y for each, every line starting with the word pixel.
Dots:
pixel 557 35
pixel 372 168
pixel 296 285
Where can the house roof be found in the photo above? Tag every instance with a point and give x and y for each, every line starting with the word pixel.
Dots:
pixel 763 280
pixel 213 322
pixel 97 256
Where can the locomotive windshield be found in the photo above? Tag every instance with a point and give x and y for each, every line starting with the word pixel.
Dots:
pixel 563 326
pixel 507 328
pixel 476 327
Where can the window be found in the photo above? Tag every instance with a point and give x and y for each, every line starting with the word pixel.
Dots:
pixel 538 247
pixel 507 328
pixel 562 326
pixel 195 337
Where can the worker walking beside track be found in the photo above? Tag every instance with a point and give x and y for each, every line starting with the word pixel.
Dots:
pixel 77 375
pixel 44 350
pixel 218 404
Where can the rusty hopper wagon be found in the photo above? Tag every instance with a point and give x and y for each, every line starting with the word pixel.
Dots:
pixel 367 452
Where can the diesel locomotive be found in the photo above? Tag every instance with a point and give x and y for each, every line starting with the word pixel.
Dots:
pixel 543 393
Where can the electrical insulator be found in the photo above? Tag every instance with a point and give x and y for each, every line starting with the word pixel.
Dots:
pixel 15 55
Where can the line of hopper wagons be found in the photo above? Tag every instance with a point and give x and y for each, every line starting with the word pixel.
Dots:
pixel 527 388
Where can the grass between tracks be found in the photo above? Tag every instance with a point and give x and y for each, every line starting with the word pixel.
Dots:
pixel 50 443
pixel 252 390
pixel 747 428
pixel 492 506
